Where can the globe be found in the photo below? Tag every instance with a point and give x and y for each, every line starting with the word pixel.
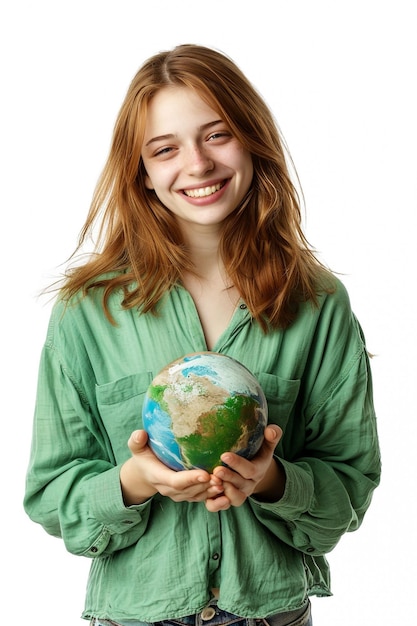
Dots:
pixel 200 406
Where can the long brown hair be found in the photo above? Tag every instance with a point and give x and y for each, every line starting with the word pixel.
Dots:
pixel 139 249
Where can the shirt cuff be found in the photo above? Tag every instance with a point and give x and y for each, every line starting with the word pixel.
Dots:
pixel 298 494
pixel 107 506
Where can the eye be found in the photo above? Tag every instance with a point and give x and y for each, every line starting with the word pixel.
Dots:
pixel 162 151
pixel 218 135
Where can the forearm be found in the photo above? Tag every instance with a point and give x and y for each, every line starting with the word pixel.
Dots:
pixel 87 511
pixel 318 506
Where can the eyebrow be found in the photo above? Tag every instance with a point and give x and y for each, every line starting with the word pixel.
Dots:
pixel 171 135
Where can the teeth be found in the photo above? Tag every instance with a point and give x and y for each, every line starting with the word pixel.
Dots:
pixel 204 191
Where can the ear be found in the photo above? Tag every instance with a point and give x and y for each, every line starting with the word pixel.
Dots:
pixel 148 182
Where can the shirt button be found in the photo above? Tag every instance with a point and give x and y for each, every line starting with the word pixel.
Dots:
pixel 215 556
pixel 242 307
pixel 208 613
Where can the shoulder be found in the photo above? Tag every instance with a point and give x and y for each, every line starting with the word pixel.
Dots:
pixel 332 300
pixel 337 327
pixel 331 323
pixel 72 314
pixel 335 297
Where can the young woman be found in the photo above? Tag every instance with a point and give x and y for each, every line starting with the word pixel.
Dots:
pixel 200 248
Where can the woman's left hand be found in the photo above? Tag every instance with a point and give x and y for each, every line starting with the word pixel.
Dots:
pixel 262 476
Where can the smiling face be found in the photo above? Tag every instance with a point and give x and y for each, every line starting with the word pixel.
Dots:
pixel 196 167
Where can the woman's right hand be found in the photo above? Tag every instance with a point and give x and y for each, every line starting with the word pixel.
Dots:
pixel 144 475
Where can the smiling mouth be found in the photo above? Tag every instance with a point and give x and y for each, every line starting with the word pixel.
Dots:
pixel 204 191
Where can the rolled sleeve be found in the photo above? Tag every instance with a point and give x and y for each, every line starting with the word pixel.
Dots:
pixel 106 505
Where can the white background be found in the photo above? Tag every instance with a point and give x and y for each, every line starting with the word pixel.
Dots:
pixel 340 78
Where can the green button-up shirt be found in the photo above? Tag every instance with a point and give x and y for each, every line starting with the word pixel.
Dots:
pixel 159 560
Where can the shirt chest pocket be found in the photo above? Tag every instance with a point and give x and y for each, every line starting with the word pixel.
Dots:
pixel 281 395
pixel 120 406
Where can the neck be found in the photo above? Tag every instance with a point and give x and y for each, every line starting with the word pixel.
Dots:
pixel 203 247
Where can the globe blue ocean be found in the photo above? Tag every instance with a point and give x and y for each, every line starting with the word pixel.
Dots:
pixel 158 422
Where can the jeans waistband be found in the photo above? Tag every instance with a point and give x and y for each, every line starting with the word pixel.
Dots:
pixel 211 615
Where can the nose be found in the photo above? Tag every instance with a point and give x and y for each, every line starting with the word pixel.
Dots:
pixel 197 161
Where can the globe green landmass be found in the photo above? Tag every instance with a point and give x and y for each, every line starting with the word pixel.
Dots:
pixel 225 428
pixel 156 392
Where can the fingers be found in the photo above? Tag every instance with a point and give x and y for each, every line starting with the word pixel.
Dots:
pixel 231 496
pixel 218 503
pixel 190 485
pixel 272 434
pixel 137 441
pixel 241 476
